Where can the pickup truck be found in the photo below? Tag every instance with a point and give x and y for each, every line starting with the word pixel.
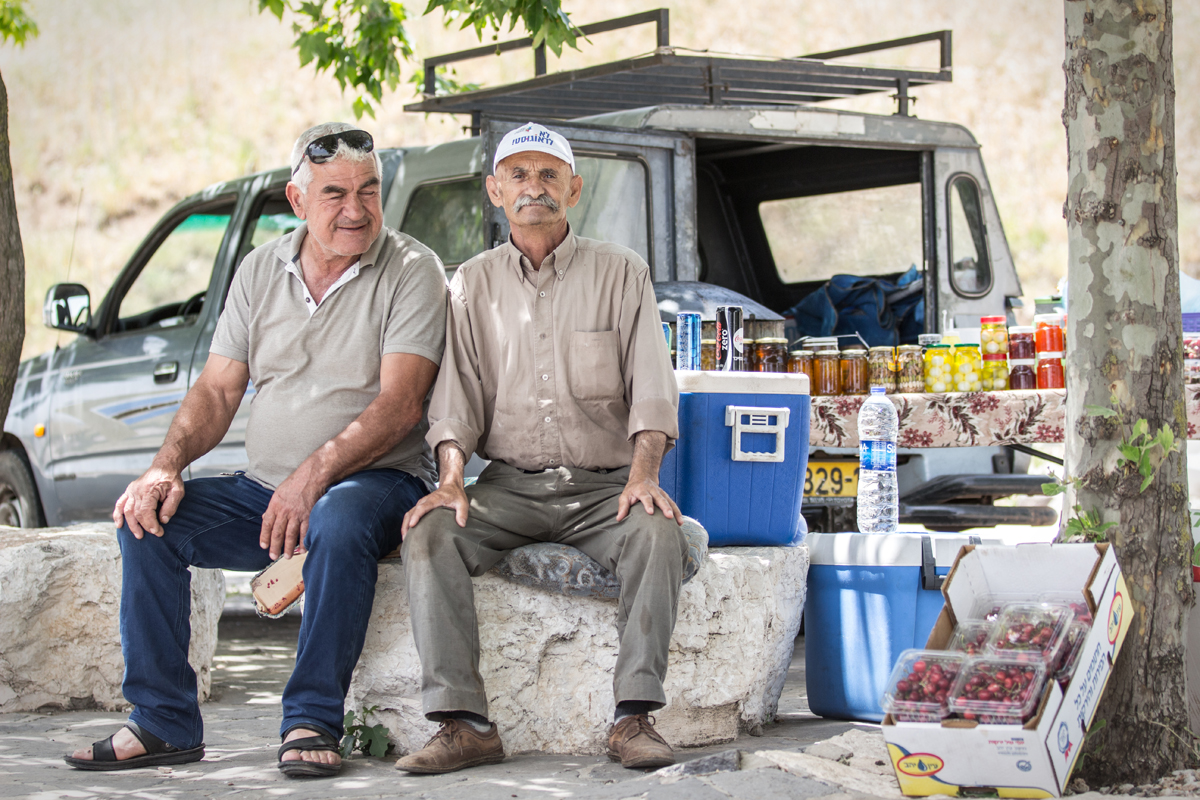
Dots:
pixel 722 172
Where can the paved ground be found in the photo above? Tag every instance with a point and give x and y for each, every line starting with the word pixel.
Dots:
pixel 254 659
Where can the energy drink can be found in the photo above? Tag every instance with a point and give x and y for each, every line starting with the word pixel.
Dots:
pixel 730 357
pixel 687 340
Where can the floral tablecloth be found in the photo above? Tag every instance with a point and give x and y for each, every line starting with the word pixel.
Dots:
pixel 966 419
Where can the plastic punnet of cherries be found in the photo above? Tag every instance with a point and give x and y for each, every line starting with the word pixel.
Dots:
pixel 995 666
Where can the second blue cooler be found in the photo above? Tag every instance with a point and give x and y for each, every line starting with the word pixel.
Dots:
pixel 870 597
pixel 738 466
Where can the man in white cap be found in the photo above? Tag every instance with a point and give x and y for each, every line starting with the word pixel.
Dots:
pixel 555 369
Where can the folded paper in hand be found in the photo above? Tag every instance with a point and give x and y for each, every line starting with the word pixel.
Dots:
pixel 278 586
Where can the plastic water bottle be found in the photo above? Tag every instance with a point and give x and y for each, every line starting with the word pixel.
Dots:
pixel 878 496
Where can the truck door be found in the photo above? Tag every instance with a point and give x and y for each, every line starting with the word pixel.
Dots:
pixel 115 393
pixel 638 191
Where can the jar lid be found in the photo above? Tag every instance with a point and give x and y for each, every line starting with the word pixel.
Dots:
pixel 929 338
pixel 1055 319
pixel 1020 329
pixel 1021 362
pixel 1049 355
pixel 997 320
pixel 974 347
pixel 994 357
pixel 909 348
pixel 802 353
pixel 708 341
pixel 773 340
pixel 882 349
pixel 746 341
pixel 938 347
pixel 827 353
pixel 856 352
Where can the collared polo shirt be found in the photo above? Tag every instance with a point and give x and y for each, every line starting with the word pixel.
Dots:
pixel 316 369
pixel 563 370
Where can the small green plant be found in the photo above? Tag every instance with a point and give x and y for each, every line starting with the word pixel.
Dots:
pixel 1087 525
pixel 1138 448
pixel 370 740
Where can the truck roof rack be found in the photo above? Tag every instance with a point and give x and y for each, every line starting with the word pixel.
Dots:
pixel 675 75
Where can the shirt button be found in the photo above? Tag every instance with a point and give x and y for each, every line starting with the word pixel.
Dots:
pixel 545 377
pixel 543 294
pixel 308 299
pixel 543 336
pixel 547 419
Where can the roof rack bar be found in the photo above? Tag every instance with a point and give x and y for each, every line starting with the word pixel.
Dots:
pixel 937 36
pixel 659 16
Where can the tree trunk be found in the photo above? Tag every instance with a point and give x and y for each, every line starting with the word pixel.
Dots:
pixel 1124 351
pixel 12 269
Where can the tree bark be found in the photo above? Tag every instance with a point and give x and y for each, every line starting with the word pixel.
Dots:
pixel 1124 340
pixel 12 269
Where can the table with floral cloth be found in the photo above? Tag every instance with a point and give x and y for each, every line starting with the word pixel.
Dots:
pixel 964 419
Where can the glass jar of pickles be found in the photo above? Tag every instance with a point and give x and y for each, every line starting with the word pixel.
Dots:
pixel 968 368
pixel 708 354
pixel 854 372
pixel 750 350
pixel 772 355
pixel 995 372
pixel 993 335
pixel 801 361
pixel 910 368
pixel 881 368
pixel 827 373
pixel 939 367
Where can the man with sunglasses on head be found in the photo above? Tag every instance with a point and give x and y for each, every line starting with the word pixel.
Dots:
pixel 340 325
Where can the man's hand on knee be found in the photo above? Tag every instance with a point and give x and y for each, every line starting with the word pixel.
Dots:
pixel 286 519
pixel 450 495
pixel 148 501
pixel 649 494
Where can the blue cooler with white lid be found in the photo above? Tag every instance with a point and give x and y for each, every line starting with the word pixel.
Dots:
pixel 738 465
pixel 869 598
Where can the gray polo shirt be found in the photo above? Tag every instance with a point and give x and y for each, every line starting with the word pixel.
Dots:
pixel 315 368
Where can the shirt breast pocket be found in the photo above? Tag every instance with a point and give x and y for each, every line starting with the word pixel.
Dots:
pixel 596 366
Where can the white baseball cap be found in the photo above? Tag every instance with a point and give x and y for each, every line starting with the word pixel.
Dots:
pixel 532 136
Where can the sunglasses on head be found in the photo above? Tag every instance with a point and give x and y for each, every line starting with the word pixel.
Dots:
pixel 321 150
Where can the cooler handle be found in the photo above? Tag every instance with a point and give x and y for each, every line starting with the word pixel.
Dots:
pixel 759 421
pixel 929 577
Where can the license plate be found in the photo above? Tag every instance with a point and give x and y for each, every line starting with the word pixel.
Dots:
pixel 831 479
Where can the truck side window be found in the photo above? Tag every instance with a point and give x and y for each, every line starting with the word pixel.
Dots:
pixel 169 290
pixel 866 232
pixel 613 206
pixel 447 218
pixel 970 266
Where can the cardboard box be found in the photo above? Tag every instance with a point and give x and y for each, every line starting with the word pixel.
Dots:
pixel 1034 759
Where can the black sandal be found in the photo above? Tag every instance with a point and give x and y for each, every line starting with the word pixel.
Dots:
pixel 299 768
pixel 158 753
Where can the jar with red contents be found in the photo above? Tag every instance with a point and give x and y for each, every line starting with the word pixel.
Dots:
pixel 1050 371
pixel 1020 342
pixel 1048 333
pixel 1021 375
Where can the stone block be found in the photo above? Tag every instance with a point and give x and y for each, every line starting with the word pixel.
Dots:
pixel 60 641
pixel 547 659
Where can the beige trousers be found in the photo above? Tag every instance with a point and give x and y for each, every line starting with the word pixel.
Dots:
pixel 510 508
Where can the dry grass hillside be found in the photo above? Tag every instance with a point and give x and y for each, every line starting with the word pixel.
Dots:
pixel 121 108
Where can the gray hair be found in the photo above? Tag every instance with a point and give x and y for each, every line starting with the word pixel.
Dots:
pixel 304 174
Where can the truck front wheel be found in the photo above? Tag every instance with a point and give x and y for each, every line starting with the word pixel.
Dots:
pixel 19 506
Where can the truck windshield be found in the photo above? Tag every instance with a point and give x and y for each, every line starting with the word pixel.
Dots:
pixel 866 232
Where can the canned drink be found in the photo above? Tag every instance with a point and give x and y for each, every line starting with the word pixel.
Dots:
pixel 687 340
pixel 730 355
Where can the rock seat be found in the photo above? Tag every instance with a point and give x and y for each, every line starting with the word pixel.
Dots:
pixel 548 656
pixel 60 639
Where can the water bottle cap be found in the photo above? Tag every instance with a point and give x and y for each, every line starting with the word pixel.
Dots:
pixel 878 390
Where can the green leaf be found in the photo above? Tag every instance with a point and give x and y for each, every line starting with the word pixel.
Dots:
pixel 1140 428
pixel 15 24
pixel 1052 489
pixel 274 6
pixel 1130 453
pixel 348 720
pixel 1146 481
pixel 1166 439
pixel 1100 411
pixel 347 745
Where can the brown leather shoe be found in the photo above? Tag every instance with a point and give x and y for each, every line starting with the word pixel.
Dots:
pixel 634 742
pixel 456 745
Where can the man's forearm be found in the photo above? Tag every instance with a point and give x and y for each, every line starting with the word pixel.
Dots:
pixel 201 422
pixel 648 448
pixel 372 435
pixel 452 462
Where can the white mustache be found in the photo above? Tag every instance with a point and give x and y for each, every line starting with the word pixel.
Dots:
pixel 541 200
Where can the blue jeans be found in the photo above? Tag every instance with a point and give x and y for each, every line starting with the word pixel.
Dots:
pixel 217 527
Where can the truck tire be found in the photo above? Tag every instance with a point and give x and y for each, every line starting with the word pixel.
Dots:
pixel 19 505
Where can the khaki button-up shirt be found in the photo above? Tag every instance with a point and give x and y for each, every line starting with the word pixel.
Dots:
pixel 561 372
